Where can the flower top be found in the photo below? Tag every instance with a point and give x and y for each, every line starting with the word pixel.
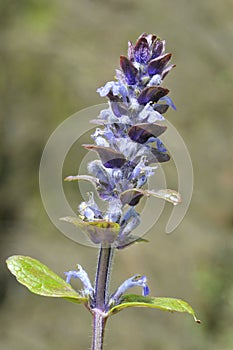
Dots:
pixel 127 141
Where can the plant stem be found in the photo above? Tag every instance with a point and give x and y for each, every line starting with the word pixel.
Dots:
pixel 103 277
pixel 101 296
pixel 98 331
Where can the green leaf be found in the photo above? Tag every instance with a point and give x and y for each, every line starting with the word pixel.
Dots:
pixel 39 279
pixel 162 303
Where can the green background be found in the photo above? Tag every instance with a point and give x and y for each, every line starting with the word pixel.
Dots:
pixel 53 56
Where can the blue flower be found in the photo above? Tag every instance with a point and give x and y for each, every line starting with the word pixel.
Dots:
pixel 135 281
pixel 83 276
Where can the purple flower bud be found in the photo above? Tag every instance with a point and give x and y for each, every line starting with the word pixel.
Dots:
pixel 157 48
pixel 129 70
pixel 142 51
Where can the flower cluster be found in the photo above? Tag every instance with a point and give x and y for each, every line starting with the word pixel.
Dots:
pixel 128 144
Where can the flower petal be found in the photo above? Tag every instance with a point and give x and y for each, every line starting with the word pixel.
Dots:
pixel 83 276
pixel 119 109
pixel 135 281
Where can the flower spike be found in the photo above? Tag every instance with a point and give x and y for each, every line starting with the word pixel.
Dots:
pixel 127 143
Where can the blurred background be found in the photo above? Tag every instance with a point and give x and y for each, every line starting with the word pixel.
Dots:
pixel 54 55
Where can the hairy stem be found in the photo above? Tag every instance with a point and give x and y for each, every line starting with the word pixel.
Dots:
pixel 101 296
pixel 103 277
pixel 98 331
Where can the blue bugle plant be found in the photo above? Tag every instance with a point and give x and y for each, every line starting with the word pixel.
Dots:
pixel 128 147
